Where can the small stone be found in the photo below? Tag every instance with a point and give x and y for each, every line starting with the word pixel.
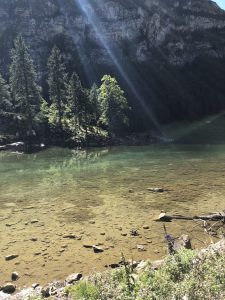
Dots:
pixel 156 251
pixel 73 278
pixel 131 191
pixel 102 233
pixel 141 248
pixel 34 239
pixel 35 285
pixel 92 222
pixel 70 236
pixel 9 288
pixel 124 234
pixel 156 190
pixel 88 246
pixel 115 265
pixel 45 292
pixel 11 256
pixel 134 232
pixel 15 276
pixel 97 249
pixel 34 221
pixel 146 227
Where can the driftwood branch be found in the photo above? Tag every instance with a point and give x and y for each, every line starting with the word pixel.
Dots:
pixel 163 217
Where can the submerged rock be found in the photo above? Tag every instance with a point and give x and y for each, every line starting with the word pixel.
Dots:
pixel 70 236
pixel 146 227
pixel 88 246
pixel 134 232
pixel 15 276
pixel 11 257
pixel 34 221
pixel 97 249
pixel 156 190
pixel 141 248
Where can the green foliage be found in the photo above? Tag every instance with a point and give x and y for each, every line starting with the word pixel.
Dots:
pixel 166 280
pixel 206 280
pixel 57 79
pixel 95 104
pixel 5 97
pixel 25 91
pixel 74 103
pixel 113 105
pixel 78 106
pixel 84 291
pixel 185 274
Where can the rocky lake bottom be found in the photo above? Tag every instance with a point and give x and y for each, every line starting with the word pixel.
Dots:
pixel 56 204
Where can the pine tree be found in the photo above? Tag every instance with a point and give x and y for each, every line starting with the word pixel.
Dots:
pixel 25 91
pixel 57 81
pixel 79 107
pixel 113 105
pixel 74 104
pixel 5 97
pixel 95 104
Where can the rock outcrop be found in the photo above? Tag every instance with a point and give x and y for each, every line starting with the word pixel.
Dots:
pixel 105 31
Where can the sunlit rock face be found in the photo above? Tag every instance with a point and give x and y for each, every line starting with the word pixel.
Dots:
pixel 174 31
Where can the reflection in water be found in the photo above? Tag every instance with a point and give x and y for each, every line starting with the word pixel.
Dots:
pixel 100 195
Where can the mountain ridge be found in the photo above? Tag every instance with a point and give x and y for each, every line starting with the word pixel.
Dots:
pixel 148 45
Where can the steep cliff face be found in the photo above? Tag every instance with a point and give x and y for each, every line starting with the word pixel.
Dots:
pixel 100 34
pixel 181 29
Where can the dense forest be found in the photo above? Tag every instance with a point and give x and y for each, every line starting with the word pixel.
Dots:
pixel 72 114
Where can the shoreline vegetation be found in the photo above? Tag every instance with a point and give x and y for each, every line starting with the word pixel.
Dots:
pixel 187 274
pixel 137 139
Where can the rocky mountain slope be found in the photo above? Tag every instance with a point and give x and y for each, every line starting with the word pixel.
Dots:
pixel 147 43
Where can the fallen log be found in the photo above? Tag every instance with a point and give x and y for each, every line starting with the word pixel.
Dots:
pixel 163 217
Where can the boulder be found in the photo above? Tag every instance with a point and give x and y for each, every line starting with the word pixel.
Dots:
pixel 9 288
pixel 73 278
pixel 183 241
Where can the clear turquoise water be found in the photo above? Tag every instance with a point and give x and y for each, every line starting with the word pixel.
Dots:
pixel 65 189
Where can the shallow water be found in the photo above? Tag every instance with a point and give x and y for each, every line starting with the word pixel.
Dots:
pixel 100 195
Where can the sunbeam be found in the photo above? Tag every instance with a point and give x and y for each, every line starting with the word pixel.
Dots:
pixel 91 16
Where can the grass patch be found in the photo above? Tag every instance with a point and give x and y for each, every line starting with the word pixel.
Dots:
pixel 184 274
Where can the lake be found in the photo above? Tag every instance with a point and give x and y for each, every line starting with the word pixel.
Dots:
pixel 100 195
